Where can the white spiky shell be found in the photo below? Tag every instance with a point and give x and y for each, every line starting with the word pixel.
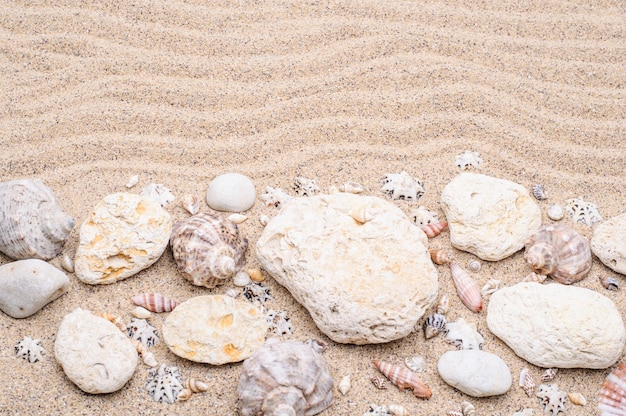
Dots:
pixel 32 224
pixel 559 252
pixel 282 378
pixel 208 249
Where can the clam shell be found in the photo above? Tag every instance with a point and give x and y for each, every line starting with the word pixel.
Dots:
pixel 155 302
pixel 32 224
pixel 208 249
pixel 466 288
pixel 559 252
pixel 403 378
pixel 416 364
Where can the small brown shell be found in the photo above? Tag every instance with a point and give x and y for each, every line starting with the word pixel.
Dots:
pixel 577 398
pixel 155 302
pixel 256 275
pixel 379 382
pixel 434 229
pixel 114 320
pixel 403 378
pixel 549 374
pixel 439 256
pixel 467 289
pixel 609 282
pixel 195 385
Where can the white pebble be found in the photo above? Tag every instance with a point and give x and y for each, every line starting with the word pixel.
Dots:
pixel 555 212
pixel 241 279
pixel 231 192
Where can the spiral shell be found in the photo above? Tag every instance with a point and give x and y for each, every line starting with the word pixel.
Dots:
pixel 474 266
pixel 195 385
pixel 434 324
pixel 208 249
pixel 555 212
pixel 32 224
pixel 559 252
pixel 379 382
pixel 609 282
pixel 527 382
pixel 434 229
pixel 444 304
pixel 466 288
pixel 155 302
pixel 577 398
pixel 191 203
pixel 403 378
pixel 344 385
pixel 468 409
pixel 549 374
pixel 538 192
pixel 284 377
pixel 439 256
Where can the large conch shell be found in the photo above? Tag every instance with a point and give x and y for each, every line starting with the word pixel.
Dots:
pixel 285 378
pixel 559 252
pixel 32 224
pixel 208 249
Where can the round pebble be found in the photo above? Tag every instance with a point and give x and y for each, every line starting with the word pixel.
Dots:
pixel 475 372
pixel 232 192
pixel 555 212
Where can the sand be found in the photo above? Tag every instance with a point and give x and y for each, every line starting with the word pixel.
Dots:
pixel 94 92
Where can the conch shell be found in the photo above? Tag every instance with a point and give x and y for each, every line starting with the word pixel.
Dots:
pixel 32 224
pixel 559 252
pixel 208 249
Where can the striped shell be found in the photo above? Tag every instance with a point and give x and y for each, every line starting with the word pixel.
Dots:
pixel 433 229
pixel 403 378
pixel 609 282
pixel 195 385
pixel 379 382
pixel 559 252
pixel 527 382
pixel 468 409
pixel 612 397
pixel 208 249
pixel 549 374
pixel 467 289
pixel 434 324
pixel 439 256
pixel 538 192
pixel 155 302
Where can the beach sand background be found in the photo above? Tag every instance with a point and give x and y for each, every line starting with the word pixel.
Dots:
pixel 179 92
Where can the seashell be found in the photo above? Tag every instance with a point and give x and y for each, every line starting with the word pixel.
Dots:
pixel 208 249
pixel 241 279
pixel 609 282
pixel 344 385
pixel 468 409
pixel 416 364
pixel 256 275
pixel 195 385
pixel 559 252
pixel 352 188
pixel 191 203
pixel 468 159
pixel 159 193
pixel 402 186
pixel 231 292
pixel 132 181
pixel 421 216
pixel 114 320
pixel 67 263
pixel 30 350
pixel 142 331
pixel 527 382
pixel 555 212
pixel 577 398
pixel 466 288
pixel 403 378
pixel 375 410
pixel 455 413
pixel 141 312
pixel 264 219
pixel 164 384
pixel 534 277
pixel 474 266
pixel 538 192
pixel 612 397
pixel 549 374
pixel 434 324
pixel 582 212
pixel 284 377
pixel 305 187
pixel 32 224
pixel 275 196
pixel 256 292
pixel 155 302
pixel 463 335
pixel 439 256
pixel 238 218
pixel 434 229
pixel 379 382
pixel 491 286
pixel 397 410
pixel 361 214
pixel 524 412
pixel 444 304
pixel 278 323
pixel 185 394
pixel 146 356
pixel 552 399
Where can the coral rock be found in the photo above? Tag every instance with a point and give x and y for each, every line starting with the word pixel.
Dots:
pixel 609 245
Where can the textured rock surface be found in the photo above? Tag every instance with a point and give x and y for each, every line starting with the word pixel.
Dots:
pixel 214 329
pixel 475 372
pixel 489 217
pixel 609 243
pixel 557 326
pixel 26 286
pixel 363 281
pixel 125 234
pixel 231 192
pixel 94 353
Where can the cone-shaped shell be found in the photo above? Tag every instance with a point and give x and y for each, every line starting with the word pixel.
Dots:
pixel 467 289
pixel 434 229
pixel 559 252
pixel 403 378
pixel 32 224
pixel 284 378
pixel 208 249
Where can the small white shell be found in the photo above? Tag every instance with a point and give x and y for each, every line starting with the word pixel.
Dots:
pixel 264 219
pixel 491 286
pixel 535 277
pixel 403 186
pixel 30 350
pixel 583 212
pixel 444 304
pixel 159 193
pixel 468 159
pixel 352 187
pixel 305 186
pixel 577 398
pixel 422 216
pixel 237 218
pixel 474 265
pixel 416 364
pixel 141 312
pixel 555 212
pixel 241 279
pixel 132 181
pixel 463 335
pixel 344 385
pixel 191 203
pixel 397 410
pixel 231 292
pixel 275 196
pixel 468 409
pixel 67 263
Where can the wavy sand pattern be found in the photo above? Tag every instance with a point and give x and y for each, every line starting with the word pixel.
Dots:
pixel 180 91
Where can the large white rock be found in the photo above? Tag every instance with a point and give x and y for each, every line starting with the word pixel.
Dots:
pixel 125 234
pixel 556 325
pixel 609 243
pixel 356 263
pixel 489 217
pixel 215 329
pixel 475 372
pixel 26 286
pixel 231 192
pixel 94 353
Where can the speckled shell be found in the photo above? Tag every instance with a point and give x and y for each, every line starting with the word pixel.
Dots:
pixel 32 224
pixel 208 249
pixel 559 252
pixel 403 378
pixel 434 324
pixel 284 378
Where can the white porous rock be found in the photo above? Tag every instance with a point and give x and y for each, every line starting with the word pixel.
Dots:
pixel 26 286
pixel 356 263
pixel 215 329
pixel 489 217
pixel 125 234
pixel 557 325
pixel 232 192
pixel 475 372
pixel 94 353
pixel 609 244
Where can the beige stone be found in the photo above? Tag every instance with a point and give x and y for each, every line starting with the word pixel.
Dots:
pixel 489 217
pixel 125 234
pixel 609 243
pixel 214 329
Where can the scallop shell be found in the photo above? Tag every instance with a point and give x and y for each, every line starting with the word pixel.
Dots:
pixel 559 252
pixel 434 324
pixel 612 397
pixel 609 282
pixel 284 377
pixel 403 378
pixel 32 224
pixel 344 385
pixel 549 374
pixel 577 398
pixel 527 382
pixel 468 409
pixel 416 364
pixel 434 229
pixel 191 203
pixel 555 212
pixel 379 382
pixel 155 302
pixel 439 256
pixel 539 192
pixel 208 249
pixel 466 288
